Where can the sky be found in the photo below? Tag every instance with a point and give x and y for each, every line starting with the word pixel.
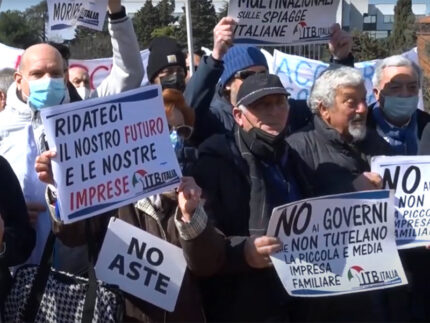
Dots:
pixel 17 4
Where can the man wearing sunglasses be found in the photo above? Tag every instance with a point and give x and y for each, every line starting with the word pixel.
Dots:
pixel 212 90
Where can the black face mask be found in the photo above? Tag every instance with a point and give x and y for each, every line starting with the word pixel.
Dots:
pixel 264 145
pixel 173 81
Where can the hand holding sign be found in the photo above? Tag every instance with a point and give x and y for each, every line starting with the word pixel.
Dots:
pixel 368 181
pixel 114 6
pixel 188 197
pixel 340 44
pixel 43 167
pixel 258 249
pixel 223 37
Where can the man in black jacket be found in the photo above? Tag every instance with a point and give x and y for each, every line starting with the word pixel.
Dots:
pixel 395 116
pixel 331 157
pixel 244 175
pixel 213 88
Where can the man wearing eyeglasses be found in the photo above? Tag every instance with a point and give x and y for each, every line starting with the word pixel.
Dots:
pixel 212 90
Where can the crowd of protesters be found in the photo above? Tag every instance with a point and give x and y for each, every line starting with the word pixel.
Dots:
pixel 244 147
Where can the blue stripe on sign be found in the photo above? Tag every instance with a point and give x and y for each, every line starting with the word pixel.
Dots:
pixel 371 195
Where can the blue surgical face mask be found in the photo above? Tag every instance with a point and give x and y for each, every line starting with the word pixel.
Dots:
pixel 46 92
pixel 400 109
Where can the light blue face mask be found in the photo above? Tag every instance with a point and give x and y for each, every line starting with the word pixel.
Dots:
pixel 400 109
pixel 46 92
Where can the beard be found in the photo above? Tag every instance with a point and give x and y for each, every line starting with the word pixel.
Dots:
pixel 357 128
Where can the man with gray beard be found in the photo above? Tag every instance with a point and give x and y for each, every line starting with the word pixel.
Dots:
pixel 332 156
pixel 334 151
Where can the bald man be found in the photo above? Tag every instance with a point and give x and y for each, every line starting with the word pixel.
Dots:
pixel 39 83
pixel 80 79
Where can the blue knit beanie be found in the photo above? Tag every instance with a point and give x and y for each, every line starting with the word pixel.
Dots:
pixel 240 57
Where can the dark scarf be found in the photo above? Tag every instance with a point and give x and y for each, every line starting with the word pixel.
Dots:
pixel 258 155
pixel 403 141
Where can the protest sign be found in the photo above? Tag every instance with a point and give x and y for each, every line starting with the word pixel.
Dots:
pixel 337 244
pixel 111 151
pixel 64 14
pixel 141 264
pixel 282 21
pixel 409 176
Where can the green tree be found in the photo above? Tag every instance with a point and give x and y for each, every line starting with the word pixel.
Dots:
pixel 37 17
pixel 366 48
pixel 403 35
pixel 15 30
pixel 204 19
pixel 145 21
pixel 168 31
pixel 165 10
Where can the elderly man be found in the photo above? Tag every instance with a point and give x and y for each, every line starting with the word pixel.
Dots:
pixel 80 79
pixel 212 91
pixel 40 83
pixel 396 83
pixel 244 175
pixel 332 156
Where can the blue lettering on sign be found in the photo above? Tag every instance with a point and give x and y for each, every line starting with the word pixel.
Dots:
pixel 286 70
pixel 302 94
pixel 304 83
pixel 319 70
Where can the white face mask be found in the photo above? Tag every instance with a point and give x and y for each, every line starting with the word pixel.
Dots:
pixel 83 92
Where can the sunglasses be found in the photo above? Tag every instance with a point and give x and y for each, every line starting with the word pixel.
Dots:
pixel 246 73
pixel 183 131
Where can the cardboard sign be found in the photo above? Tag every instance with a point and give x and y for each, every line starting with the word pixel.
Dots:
pixel 64 14
pixel 282 21
pixel 409 176
pixel 141 264
pixel 111 151
pixel 337 244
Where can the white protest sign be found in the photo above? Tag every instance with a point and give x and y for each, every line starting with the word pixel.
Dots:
pixel 111 151
pixel 282 21
pixel 141 264
pixel 337 244
pixel 409 176
pixel 64 14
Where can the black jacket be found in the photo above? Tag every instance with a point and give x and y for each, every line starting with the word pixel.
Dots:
pixel 424 148
pixel 19 236
pixel 238 292
pixel 326 164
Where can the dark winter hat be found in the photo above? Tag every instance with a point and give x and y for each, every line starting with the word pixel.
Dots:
pixel 164 52
pixel 257 86
pixel 240 57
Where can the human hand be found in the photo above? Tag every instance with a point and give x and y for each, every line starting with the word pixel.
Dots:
pixel 368 181
pixel 114 6
pixel 340 44
pixel 188 197
pixel 43 166
pixel 223 37
pixel 258 249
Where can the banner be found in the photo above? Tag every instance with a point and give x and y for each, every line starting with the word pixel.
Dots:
pixel 141 264
pixel 262 22
pixel 409 176
pixel 64 14
pixel 111 151
pixel 337 244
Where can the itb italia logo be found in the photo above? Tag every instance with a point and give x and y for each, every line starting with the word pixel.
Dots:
pixel 304 31
pixel 151 181
pixel 371 278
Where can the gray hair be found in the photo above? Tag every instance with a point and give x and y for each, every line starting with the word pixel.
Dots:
pixel 6 79
pixel 395 60
pixel 325 86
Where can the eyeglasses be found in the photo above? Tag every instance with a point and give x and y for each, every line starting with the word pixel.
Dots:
pixel 183 131
pixel 244 74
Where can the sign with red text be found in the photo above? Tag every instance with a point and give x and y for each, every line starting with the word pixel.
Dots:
pixel 338 244
pixel 282 22
pixel 409 176
pixel 64 14
pixel 111 151
pixel 141 264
